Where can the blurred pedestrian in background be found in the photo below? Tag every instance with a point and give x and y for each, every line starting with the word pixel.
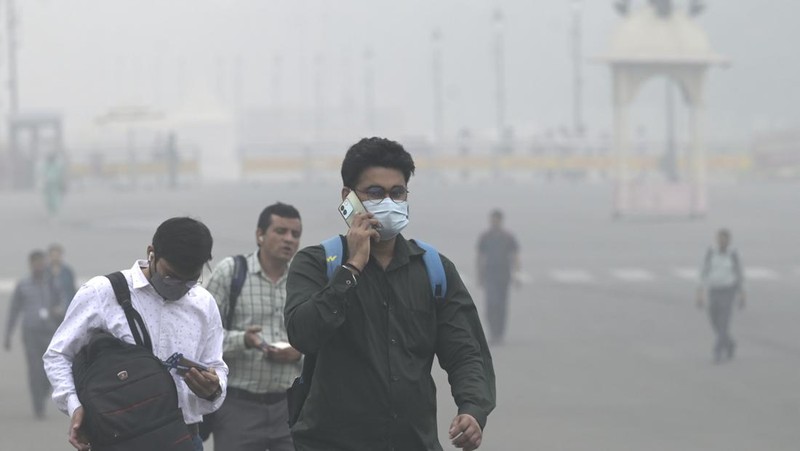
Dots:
pixel 36 299
pixel 498 261
pixel 55 183
pixel 722 283
pixel 62 274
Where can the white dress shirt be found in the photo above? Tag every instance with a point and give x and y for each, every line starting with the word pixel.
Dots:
pixel 190 325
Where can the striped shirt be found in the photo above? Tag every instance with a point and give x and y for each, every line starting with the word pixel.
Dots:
pixel 261 303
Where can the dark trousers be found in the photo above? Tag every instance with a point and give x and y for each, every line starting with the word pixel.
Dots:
pixel 720 310
pixel 246 425
pixel 496 307
pixel 36 342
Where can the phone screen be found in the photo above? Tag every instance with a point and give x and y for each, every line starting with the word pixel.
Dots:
pixel 350 206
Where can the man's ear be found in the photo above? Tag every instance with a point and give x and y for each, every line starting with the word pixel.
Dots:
pixel 150 250
pixel 345 192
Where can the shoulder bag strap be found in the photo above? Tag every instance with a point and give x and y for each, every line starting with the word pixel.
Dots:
pixel 135 321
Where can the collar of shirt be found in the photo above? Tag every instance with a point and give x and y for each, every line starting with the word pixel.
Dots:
pixel 137 275
pixel 254 269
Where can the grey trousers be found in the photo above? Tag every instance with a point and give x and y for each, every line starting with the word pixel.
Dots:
pixel 496 307
pixel 720 310
pixel 36 342
pixel 242 425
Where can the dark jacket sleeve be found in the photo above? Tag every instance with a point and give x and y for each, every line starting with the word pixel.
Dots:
pixel 315 306
pixel 14 310
pixel 462 350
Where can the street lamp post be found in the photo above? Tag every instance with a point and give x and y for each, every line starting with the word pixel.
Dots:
pixel 499 64
pixel 369 89
pixel 438 89
pixel 11 37
pixel 577 82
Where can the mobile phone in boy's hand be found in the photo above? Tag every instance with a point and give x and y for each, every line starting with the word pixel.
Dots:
pixel 185 365
pixel 182 365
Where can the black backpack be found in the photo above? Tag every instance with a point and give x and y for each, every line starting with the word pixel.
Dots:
pixel 129 398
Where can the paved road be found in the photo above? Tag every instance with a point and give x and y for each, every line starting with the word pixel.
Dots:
pixel 605 350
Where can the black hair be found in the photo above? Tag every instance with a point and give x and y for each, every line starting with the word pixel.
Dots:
pixel 35 255
pixel 497 213
pixel 372 152
pixel 184 242
pixel 277 209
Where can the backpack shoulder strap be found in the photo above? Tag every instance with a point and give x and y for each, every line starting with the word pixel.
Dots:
pixel 435 268
pixel 237 282
pixel 123 294
pixel 333 253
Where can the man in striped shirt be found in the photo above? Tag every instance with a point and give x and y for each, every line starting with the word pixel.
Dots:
pixel 262 365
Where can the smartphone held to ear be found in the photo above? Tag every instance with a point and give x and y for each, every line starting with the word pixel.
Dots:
pixel 350 206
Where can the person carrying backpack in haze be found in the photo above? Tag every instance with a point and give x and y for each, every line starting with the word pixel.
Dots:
pixel 251 295
pixel 177 312
pixel 374 325
pixel 722 282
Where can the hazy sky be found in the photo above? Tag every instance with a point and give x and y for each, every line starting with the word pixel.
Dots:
pixel 82 57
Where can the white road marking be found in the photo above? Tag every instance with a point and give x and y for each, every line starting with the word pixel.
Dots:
pixel 7 285
pixel 632 274
pixel 760 273
pixel 687 272
pixel 571 276
pixel 523 278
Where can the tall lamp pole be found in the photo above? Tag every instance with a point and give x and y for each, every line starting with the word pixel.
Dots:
pixel 499 64
pixel 577 82
pixel 369 89
pixel 438 89
pixel 11 37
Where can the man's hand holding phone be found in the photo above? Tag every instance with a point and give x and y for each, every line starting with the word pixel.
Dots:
pixel 362 230
pixel 202 383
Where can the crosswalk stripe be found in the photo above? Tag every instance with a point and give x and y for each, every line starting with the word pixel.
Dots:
pixel 574 276
pixel 759 273
pixel 686 272
pixel 632 274
pixel 571 276
pixel 7 285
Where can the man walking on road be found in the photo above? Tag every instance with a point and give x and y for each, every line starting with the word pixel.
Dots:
pixel 376 325
pixel 262 366
pixel 498 261
pixel 62 274
pixel 36 299
pixel 177 312
pixel 722 280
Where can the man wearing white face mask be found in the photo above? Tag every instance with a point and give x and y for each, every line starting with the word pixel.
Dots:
pixel 375 326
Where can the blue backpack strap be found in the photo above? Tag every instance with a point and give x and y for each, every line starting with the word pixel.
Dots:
pixel 333 254
pixel 435 268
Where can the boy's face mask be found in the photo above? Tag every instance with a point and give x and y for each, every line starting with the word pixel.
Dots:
pixel 169 288
pixel 393 216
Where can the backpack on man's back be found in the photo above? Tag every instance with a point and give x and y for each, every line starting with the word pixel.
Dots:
pixel 334 253
pixel 129 398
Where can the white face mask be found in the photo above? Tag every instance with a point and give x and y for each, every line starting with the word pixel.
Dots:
pixel 392 215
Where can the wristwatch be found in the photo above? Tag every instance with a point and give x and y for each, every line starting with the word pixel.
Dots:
pixel 213 396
